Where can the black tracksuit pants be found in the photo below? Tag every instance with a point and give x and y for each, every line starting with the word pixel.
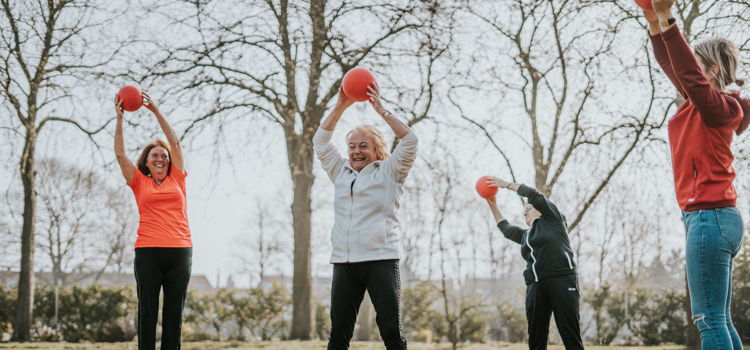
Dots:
pixel 558 296
pixel 157 268
pixel 382 281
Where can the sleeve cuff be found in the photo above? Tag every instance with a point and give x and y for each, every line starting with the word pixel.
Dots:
pixel 525 191
pixel 671 32
pixel 323 134
pixel 502 224
pixel 656 36
pixel 409 136
pixel 177 172
pixel 136 178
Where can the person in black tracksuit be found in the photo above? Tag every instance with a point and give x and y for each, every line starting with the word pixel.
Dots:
pixel 551 279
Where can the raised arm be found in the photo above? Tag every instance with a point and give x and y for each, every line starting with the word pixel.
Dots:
pixel 177 160
pixel 513 233
pixel 716 108
pixel 405 153
pixel 492 202
pixel 342 104
pixel 126 166
pixel 538 200
pixel 330 158
pixel 660 51
pixel 398 127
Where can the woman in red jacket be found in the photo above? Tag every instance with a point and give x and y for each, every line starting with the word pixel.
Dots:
pixel 700 138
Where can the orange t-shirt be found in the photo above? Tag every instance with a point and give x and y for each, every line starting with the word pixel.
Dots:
pixel 163 211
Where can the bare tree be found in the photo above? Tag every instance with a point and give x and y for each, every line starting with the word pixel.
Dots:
pixel 68 197
pixel 68 200
pixel 6 236
pixel 447 205
pixel 282 61
pixel 116 244
pixel 263 245
pixel 553 72
pixel 42 48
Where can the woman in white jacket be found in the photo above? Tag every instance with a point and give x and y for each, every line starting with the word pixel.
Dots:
pixel 365 234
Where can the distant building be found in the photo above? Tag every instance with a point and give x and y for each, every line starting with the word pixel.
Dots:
pixel 9 279
pixel 321 286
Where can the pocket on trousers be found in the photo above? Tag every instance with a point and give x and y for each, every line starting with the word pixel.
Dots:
pixel 730 227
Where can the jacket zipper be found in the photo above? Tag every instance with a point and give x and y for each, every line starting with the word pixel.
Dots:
pixel 349 226
pixel 533 264
pixel 570 263
pixel 695 182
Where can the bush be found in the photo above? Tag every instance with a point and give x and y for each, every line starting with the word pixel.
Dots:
pixel 609 313
pixel 7 311
pixel 417 315
pixel 473 325
pixel 514 323
pixel 322 320
pixel 115 332
pixel 204 311
pixel 93 313
pixel 741 294
pixel 658 318
pixel 260 310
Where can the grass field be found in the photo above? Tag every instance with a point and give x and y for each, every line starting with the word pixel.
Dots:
pixel 310 345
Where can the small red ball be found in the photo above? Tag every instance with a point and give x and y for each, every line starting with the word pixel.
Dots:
pixel 484 190
pixel 355 83
pixel 131 97
pixel 645 4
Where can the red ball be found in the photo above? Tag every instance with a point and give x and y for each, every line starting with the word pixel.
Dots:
pixel 131 97
pixel 484 190
pixel 645 4
pixel 355 83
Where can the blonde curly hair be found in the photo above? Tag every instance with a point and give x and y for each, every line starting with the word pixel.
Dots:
pixel 380 148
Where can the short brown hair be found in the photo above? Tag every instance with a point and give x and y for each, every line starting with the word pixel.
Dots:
pixel 141 164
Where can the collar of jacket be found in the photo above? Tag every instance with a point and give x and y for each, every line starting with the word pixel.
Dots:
pixel 367 169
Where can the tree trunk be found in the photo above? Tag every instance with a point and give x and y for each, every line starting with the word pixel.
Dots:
pixel 25 300
pixel 300 156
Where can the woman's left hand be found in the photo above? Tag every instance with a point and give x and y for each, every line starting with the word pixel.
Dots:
pixel 375 99
pixel 497 182
pixel 148 102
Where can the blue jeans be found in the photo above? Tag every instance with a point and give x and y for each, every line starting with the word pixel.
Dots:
pixel 714 237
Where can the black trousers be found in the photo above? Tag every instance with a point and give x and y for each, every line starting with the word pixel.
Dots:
pixel 382 281
pixel 157 268
pixel 558 296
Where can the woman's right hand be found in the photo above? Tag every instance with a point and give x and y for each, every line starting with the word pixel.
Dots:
pixel 344 101
pixel 118 107
pixel 492 202
pixel 650 16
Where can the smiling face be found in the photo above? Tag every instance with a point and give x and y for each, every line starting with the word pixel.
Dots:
pixel 361 149
pixel 530 214
pixel 158 162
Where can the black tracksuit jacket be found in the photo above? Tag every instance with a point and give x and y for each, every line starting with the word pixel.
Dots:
pixel 545 246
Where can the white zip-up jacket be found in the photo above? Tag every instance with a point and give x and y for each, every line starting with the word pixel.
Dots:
pixel 366 203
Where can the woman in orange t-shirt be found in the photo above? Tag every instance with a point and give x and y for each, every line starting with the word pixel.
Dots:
pixel 163 249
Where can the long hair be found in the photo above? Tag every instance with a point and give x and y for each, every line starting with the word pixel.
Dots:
pixel 379 146
pixel 723 54
pixel 141 164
